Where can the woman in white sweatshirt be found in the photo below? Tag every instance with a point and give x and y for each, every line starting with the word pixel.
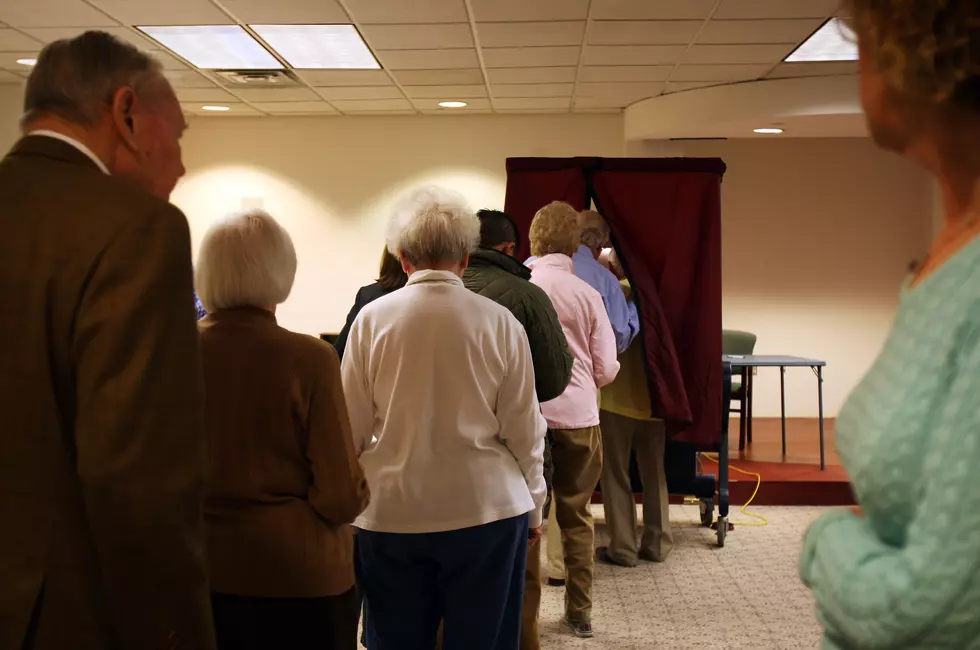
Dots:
pixel 440 388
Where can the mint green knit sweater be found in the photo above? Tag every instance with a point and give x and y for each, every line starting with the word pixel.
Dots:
pixel 907 575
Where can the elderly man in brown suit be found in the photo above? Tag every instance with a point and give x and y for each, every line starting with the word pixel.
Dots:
pixel 102 446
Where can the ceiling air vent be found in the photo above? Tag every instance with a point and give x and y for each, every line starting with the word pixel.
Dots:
pixel 257 78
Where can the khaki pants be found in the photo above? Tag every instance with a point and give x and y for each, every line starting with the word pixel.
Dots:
pixel 620 434
pixel 556 556
pixel 532 599
pixel 577 455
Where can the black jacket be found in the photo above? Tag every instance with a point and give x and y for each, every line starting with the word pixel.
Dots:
pixel 365 295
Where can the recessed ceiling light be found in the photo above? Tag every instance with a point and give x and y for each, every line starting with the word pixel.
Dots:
pixel 835 41
pixel 452 104
pixel 215 47
pixel 216 109
pixel 27 62
pixel 319 46
pixel 768 131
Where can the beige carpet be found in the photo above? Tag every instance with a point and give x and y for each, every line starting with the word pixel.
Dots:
pixel 746 595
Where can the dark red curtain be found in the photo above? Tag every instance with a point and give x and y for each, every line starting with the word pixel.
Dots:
pixel 665 216
pixel 533 183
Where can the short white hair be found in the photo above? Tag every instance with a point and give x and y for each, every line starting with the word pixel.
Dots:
pixel 246 260
pixel 432 225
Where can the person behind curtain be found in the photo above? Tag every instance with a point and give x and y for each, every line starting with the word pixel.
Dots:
pixel 285 481
pixel 495 274
pixel 902 570
pixel 573 418
pixel 102 445
pixel 625 321
pixel 627 427
pixel 440 388
pixel 391 277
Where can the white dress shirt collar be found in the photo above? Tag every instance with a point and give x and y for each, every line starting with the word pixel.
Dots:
pixel 432 275
pixel 75 143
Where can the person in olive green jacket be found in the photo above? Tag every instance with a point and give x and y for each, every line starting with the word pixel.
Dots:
pixel 494 273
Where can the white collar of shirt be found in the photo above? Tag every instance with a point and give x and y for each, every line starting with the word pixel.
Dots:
pixel 430 275
pixel 75 143
pixel 556 261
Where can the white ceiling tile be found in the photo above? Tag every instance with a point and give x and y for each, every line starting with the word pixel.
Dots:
pixel 681 86
pixel 443 93
pixel 361 92
pixel 370 112
pixel 428 59
pixel 633 54
pixel 532 90
pixel 52 13
pixel 168 61
pixel 759 31
pixel 279 108
pixel 625 73
pixel 653 9
pixel 372 104
pixel 533 111
pixel 204 95
pixel 345 77
pixel 628 91
pixel 432 104
pixel 644 32
pixel 8 61
pixel 532 75
pixel 736 54
pixel 14 41
pixel 50 34
pixel 521 103
pixel 187 79
pixel 527 57
pixel 169 12
pixel 276 94
pixel 605 102
pixel 439 77
pixel 832 68
pixel 530 34
pixel 418 37
pixel 529 10
pixel 287 12
pixel 10 78
pixel 719 72
pixel 466 110
pixel 771 9
pixel 234 108
pixel 407 11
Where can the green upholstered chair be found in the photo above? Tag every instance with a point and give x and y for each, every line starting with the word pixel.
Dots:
pixel 742 344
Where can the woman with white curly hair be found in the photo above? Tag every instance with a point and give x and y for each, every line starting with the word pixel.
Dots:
pixel 440 389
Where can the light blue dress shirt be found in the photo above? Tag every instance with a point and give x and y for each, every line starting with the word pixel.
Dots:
pixel 622 313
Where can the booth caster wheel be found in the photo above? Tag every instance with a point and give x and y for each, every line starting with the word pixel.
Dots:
pixel 722 531
pixel 707 508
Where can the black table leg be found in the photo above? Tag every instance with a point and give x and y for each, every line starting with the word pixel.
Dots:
pixel 782 402
pixel 820 401
pixel 749 381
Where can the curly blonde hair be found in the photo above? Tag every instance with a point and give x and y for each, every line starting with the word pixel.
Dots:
pixel 555 229
pixel 928 49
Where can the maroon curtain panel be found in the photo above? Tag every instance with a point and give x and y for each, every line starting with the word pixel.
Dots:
pixel 665 217
pixel 533 183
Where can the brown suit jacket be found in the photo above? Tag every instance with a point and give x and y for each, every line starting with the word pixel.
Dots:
pixel 102 447
pixel 285 482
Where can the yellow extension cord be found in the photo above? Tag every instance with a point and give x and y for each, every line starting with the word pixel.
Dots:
pixel 762 521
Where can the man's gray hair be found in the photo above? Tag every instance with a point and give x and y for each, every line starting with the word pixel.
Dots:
pixel 76 78
pixel 246 260
pixel 433 226
pixel 595 230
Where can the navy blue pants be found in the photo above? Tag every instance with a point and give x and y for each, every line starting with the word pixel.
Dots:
pixel 472 579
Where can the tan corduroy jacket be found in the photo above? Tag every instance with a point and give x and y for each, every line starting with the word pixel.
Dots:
pixel 285 482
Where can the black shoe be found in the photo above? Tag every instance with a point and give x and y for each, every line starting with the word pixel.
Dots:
pixel 650 557
pixel 556 582
pixel 602 555
pixel 581 629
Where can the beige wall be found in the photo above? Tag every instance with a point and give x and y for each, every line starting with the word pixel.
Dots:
pixel 817 233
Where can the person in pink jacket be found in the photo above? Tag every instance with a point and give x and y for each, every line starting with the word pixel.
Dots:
pixel 573 417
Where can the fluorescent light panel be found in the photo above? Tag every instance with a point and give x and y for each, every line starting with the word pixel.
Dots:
pixel 319 46
pixel 216 47
pixel 835 41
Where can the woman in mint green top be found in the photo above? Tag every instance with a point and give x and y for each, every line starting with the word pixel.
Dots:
pixel 902 571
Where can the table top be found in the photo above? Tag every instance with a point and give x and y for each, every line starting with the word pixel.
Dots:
pixel 771 360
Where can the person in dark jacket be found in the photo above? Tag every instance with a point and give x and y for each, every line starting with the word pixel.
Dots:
pixel 390 278
pixel 494 273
